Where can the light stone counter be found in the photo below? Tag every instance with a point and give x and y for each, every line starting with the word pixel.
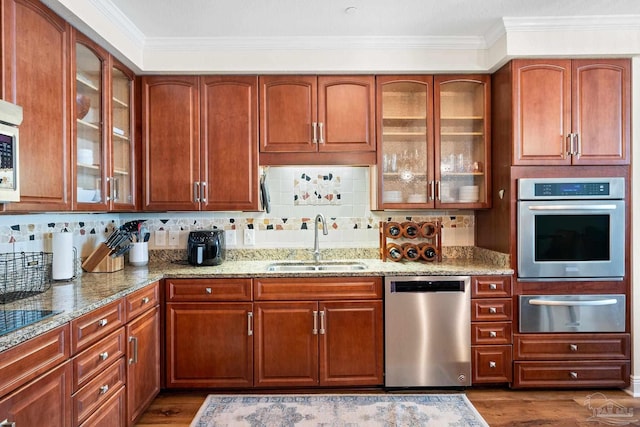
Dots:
pixel 92 290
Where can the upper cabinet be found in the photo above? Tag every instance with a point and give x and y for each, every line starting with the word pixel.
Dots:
pixel 103 141
pixel 433 142
pixel 35 75
pixel 200 142
pixel 571 112
pixel 308 119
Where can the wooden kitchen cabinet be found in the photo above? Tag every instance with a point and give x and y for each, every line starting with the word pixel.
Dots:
pixel 433 142
pixel 308 119
pixel 569 112
pixel 35 56
pixel 206 129
pixel 336 340
pixel 209 335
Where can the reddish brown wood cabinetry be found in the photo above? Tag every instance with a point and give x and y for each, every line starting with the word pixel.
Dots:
pixel 303 119
pixel 35 75
pixel 206 128
pixel 571 112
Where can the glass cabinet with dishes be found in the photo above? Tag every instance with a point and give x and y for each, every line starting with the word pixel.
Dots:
pixel 432 142
pixel 103 149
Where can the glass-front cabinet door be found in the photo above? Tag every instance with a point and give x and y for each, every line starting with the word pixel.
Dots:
pixel 90 67
pixel 121 180
pixel 461 106
pixel 405 142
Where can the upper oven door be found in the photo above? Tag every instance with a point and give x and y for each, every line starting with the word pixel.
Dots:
pixel 571 240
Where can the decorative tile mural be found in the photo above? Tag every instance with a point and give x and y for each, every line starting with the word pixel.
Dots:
pixel 317 188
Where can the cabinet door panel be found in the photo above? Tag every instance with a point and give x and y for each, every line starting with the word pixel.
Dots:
pixel 351 348
pixel 286 346
pixel 170 142
pixel 601 111
pixel 229 153
pixel 35 54
pixel 288 109
pixel 542 111
pixel 346 111
pixel 208 345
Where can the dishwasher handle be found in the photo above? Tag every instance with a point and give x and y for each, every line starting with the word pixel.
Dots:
pixel 426 286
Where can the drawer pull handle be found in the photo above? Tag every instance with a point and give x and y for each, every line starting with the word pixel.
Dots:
pixel 322 314
pixel 250 323
pixel 104 356
pixel 102 322
pixel 493 334
pixel 315 322
pixel 492 364
pixel 145 300
pixel 574 375
pixel 104 389
pixel 573 347
pixel 492 310
pixel 207 290
pixel 134 359
pixel 493 286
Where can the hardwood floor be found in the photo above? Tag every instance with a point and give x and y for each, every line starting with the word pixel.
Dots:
pixel 499 407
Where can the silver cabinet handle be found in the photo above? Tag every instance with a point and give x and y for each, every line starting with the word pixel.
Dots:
pixel 578 146
pixel 437 191
pixel 492 310
pixel 203 192
pixel 314 125
pixel 207 290
pixel 573 347
pixel 102 322
pixel 493 286
pixel 104 389
pixel 196 192
pixel 104 356
pixel 321 126
pixel 569 144
pixel 145 300
pixel 322 329
pixel 115 189
pixel 109 194
pixel 608 301
pixel 492 364
pixel 7 423
pixel 573 375
pixel 493 334
pixel 250 323
pixel 315 322
pixel 432 190
pixel 134 359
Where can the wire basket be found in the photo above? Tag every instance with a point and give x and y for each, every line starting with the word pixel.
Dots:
pixel 24 274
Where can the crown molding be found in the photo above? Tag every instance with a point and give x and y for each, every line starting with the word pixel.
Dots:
pixel 571 23
pixel 121 21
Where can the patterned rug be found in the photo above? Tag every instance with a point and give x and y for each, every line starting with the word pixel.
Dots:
pixel 338 410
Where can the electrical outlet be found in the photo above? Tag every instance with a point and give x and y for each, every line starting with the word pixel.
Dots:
pixel 174 238
pixel 160 238
pixel 249 237
pixel 230 238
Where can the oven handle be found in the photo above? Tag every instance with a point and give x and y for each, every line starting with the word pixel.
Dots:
pixel 609 301
pixel 573 207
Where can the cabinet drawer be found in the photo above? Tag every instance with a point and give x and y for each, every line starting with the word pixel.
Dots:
pixel 314 288
pixel 491 333
pixel 490 286
pixel 141 300
pixel 208 289
pixel 89 328
pixel 577 347
pixel 97 357
pixel 111 412
pixel 491 310
pixel 572 374
pixel 22 363
pixel 98 390
pixel 491 364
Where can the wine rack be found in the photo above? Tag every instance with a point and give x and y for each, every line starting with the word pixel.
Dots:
pixel 411 241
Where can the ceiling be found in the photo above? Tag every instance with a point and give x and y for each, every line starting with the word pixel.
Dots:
pixel 350 35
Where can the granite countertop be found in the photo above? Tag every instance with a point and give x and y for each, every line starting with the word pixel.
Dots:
pixel 92 290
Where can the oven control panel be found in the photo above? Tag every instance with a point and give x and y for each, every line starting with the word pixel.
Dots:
pixel 567 189
pixel 611 188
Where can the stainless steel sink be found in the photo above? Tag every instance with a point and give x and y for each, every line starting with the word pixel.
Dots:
pixel 300 266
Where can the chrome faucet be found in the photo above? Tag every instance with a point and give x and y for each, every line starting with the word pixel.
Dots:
pixel 316 242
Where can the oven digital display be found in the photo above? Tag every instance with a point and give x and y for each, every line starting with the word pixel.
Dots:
pixel 572 189
pixel 572 238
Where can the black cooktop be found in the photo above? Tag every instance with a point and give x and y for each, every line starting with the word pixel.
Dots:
pixel 10 320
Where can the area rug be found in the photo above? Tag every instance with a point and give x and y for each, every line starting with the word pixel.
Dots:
pixel 338 410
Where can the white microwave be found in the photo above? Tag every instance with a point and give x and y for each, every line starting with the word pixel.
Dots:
pixel 10 119
pixel 571 229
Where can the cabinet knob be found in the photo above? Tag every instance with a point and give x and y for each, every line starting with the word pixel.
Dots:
pixel 207 290
pixel 145 300
pixel 7 423
pixel 104 389
pixel 573 375
pixel 492 310
pixel 102 322
pixel 493 286
pixel 493 334
pixel 104 356
pixel 492 364
pixel 573 347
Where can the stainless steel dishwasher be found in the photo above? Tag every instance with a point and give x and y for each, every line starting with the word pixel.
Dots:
pixel 427 331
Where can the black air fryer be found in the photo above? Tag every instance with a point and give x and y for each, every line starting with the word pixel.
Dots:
pixel 206 247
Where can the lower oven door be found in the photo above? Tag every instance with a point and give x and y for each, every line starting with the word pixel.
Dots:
pixel 572 313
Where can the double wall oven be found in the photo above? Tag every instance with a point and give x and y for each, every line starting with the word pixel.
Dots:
pixel 571 229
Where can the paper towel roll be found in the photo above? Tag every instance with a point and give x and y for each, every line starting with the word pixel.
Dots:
pixel 62 267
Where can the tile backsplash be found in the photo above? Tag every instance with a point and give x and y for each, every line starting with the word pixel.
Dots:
pixel 341 194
